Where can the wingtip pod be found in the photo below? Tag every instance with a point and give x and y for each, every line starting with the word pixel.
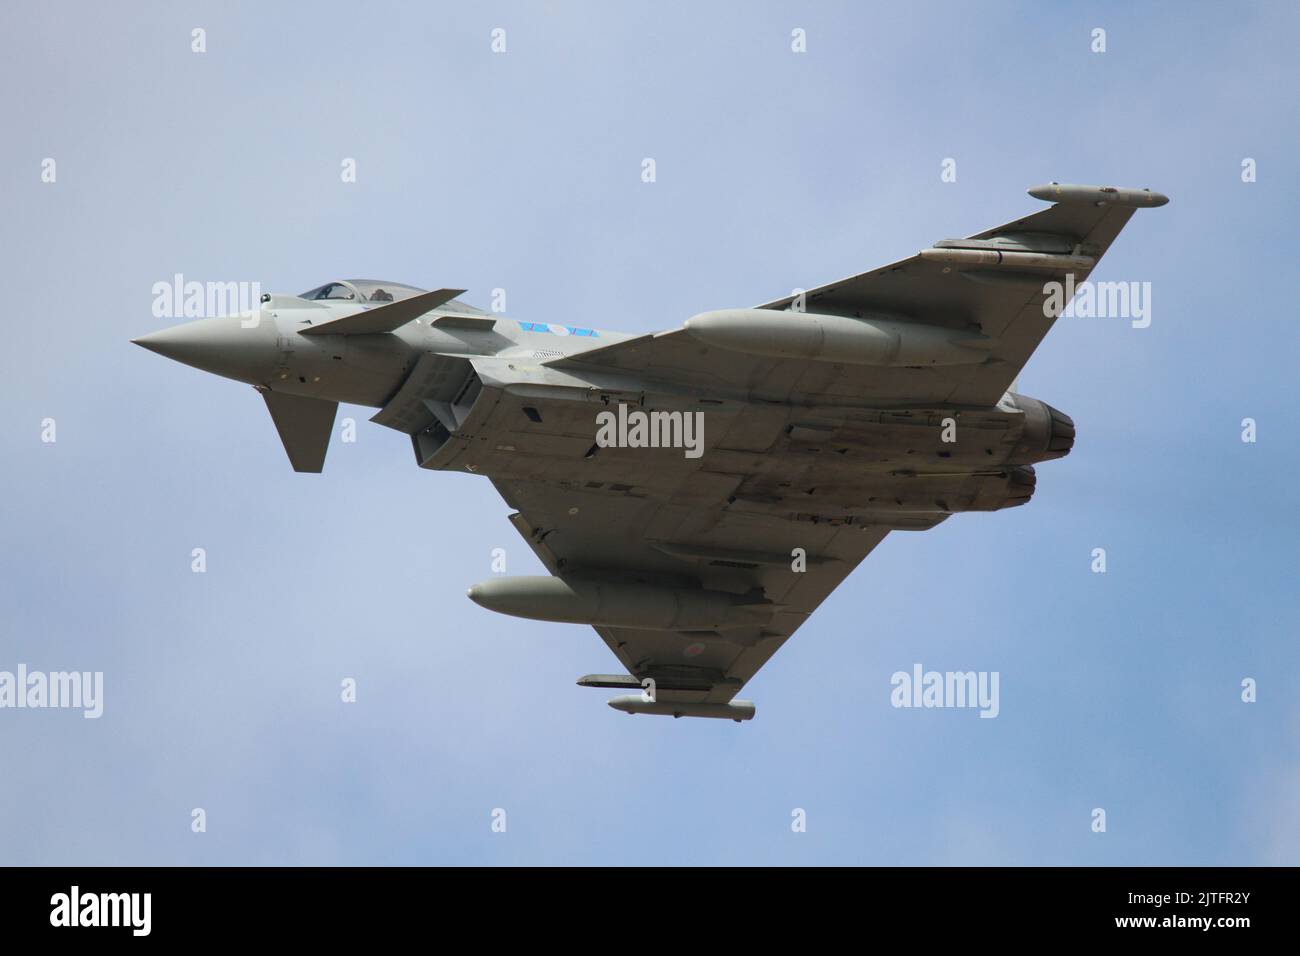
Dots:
pixel 1099 195
pixel 736 710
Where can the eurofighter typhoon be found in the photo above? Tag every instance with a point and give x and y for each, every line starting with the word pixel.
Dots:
pixel 695 494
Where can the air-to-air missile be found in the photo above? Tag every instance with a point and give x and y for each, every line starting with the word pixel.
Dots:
pixel 638 704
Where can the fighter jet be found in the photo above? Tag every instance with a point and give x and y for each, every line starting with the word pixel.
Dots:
pixel 695 494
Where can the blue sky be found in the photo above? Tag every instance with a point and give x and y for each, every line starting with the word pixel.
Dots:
pixel 521 171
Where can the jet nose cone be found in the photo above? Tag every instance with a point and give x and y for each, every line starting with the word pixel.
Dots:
pixel 155 342
pixel 241 348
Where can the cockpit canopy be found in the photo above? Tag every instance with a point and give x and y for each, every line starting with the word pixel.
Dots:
pixel 361 290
